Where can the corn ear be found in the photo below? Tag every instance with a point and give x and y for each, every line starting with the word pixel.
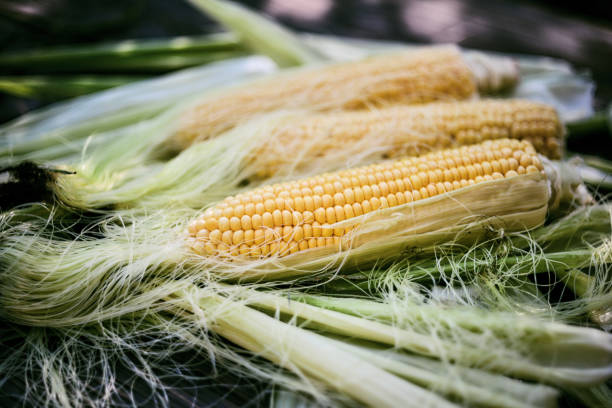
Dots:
pixel 358 216
pixel 423 75
pixel 305 142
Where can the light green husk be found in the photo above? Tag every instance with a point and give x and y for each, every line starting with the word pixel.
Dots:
pixel 113 56
pixel 305 352
pixel 48 88
pixel 479 387
pixel 63 131
pixel 556 354
pixel 204 173
pixel 259 33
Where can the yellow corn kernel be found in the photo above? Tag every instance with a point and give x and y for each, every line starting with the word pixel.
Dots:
pixel 289 232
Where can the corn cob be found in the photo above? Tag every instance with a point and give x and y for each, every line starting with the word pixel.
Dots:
pixel 408 130
pixel 424 75
pixel 322 211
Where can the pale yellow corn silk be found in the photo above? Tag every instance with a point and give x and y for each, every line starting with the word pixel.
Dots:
pixel 305 142
pixel 423 75
pixel 396 204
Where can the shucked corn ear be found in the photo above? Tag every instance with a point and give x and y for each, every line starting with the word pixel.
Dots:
pixel 424 75
pixel 408 130
pixel 333 210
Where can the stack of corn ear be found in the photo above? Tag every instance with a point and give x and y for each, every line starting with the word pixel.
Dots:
pixel 374 105
pixel 302 143
pixel 353 112
pixel 447 168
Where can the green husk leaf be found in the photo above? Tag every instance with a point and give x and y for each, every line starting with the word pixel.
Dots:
pixel 468 385
pixel 74 123
pixel 304 352
pixel 259 33
pixel 115 55
pixel 579 356
pixel 55 88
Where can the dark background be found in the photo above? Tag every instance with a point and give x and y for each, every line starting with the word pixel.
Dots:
pixel 579 32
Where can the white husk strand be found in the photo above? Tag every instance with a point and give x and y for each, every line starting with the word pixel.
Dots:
pixel 260 34
pixel 135 269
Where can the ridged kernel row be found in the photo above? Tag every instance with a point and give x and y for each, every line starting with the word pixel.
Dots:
pixel 285 218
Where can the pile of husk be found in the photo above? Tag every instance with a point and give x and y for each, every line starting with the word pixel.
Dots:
pixel 103 303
